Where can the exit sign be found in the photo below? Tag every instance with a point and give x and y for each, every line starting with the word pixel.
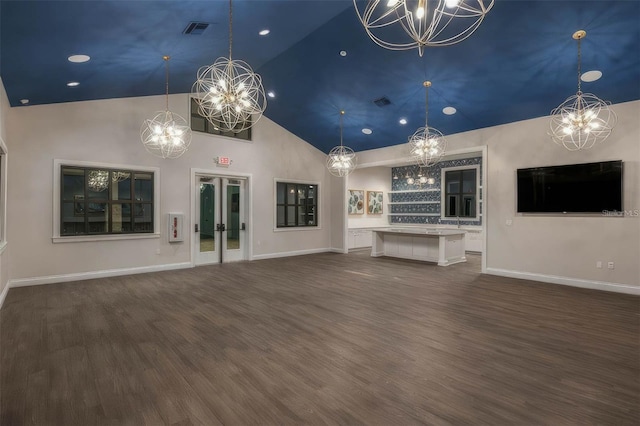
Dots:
pixel 223 161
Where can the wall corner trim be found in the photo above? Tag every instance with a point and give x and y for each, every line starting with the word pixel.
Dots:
pixel 54 279
pixel 3 295
pixel 573 282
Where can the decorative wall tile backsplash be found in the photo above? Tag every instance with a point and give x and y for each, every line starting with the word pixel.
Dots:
pixel 422 204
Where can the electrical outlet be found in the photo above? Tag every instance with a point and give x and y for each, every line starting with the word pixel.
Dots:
pixel 610 265
pixel 599 264
pixel 509 222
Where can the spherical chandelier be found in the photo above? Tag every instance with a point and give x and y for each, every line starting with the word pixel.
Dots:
pixel 229 94
pixel 167 134
pixel 341 160
pixel 583 119
pixel 427 145
pixel 410 24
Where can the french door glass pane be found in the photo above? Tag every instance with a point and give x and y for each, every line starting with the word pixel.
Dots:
pixel 233 217
pixel 207 218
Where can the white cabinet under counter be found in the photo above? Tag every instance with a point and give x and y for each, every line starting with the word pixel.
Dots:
pixel 444 246
pixel 473 240
pixel 359 238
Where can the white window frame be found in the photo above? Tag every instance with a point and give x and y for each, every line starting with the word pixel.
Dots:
pixel 56 238
pixel 275 205
pixel 443 207
pixel 3 195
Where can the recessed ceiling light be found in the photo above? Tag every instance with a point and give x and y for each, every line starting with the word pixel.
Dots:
pixel 78 59
pixel 264 32
pixel 343 53
pixel 271 94
pixel 403 121
pixel 449 110
pixel 24 101
pixel 590 76
pixel 73 84
pixel 366 131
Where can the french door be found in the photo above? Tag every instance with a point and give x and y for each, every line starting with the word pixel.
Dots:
pixel 220 220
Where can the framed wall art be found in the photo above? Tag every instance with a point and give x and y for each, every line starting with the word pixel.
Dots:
pixel 374 202
pixel 355 204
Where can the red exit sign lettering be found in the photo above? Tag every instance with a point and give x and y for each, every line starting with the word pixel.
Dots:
pixel 224 161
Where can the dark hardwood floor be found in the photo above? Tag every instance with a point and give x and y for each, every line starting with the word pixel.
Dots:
pixel 319 339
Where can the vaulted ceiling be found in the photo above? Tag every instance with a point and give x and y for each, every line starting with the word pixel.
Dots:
pixel 520 63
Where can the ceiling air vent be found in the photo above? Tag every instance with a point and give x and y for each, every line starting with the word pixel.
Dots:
pixel 383 101
pixel 195 28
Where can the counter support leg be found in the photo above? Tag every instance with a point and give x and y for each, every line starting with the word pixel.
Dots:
pixel 442 244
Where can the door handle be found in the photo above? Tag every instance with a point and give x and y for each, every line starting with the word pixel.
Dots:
pixel 243 227
pixel 220 227
pixel 197 230
pixel 223 228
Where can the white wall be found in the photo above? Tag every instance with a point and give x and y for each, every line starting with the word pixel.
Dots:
pixel 4 248
pixel 338 215
pixel 370 179
pixel 562 249
pixel 107 131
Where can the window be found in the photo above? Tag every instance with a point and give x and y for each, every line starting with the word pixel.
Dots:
pixel 96 201
pixel 460 192
pixel 296 204
pixel 200 124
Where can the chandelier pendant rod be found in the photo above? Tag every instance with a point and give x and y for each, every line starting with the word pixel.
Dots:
pixel 166 83
pixel 426 84
pixel 230 27
pixel 579 35
pixel 579 63
pixel 341 115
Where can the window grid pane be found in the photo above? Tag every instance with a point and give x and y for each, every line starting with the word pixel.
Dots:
pixel 296 205
pixel 460 193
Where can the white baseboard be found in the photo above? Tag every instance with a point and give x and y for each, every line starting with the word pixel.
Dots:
pixel 574 282
pixel 291 253
pixel 53 279
pixel 3 295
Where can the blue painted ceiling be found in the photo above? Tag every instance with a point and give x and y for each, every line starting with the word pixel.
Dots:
pixel 520 63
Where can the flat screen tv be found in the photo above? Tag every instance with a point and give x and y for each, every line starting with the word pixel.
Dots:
pixel 574 188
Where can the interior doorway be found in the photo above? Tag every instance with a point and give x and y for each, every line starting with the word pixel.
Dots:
pixel 220 219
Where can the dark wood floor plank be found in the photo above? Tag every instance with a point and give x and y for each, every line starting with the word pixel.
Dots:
pixel 319 339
